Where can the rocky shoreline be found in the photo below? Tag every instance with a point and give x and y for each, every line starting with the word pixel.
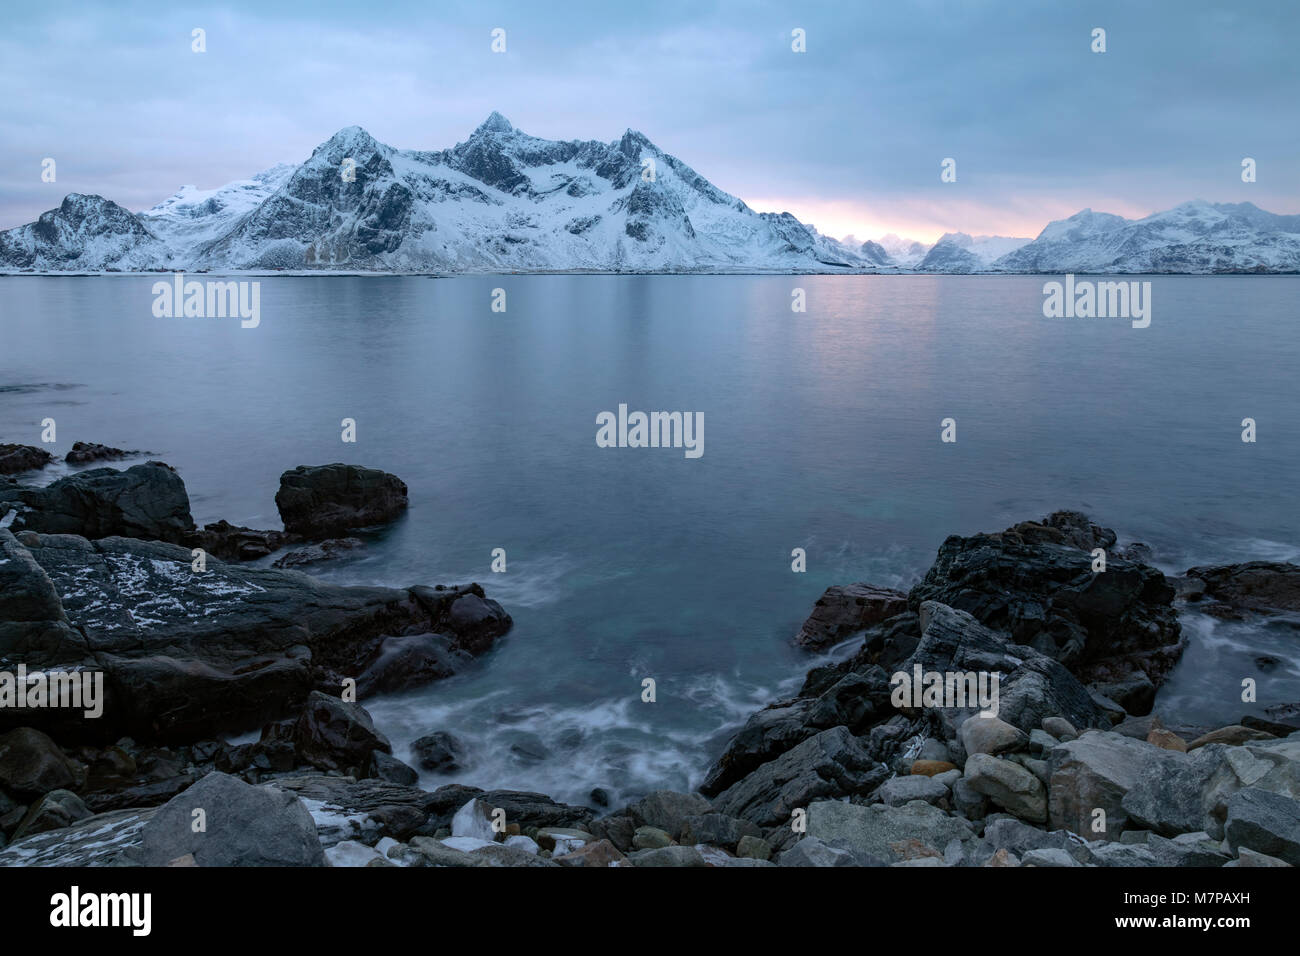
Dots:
pixel 104 572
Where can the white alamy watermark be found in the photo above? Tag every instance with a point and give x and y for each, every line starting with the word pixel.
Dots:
pixel 78 690
pixel 208 300
pixel 76 909
pixel 1086 299
pixel 651 430
pixel 948 689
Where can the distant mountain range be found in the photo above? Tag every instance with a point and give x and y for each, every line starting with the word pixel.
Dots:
pixel 504 201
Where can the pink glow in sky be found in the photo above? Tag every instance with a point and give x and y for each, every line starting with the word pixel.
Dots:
pixel 926 220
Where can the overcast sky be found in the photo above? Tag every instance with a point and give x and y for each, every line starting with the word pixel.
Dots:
pixel 848 136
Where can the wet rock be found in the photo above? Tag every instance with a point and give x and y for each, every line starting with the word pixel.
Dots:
pixel 1254 585
pixel 853 700
pixel 83 452
pixel 438 752
pixel 1035 582
pixel 328 550
pixel 321 501
pixel 188 654
pixel 387 767
pixel 753 848
pixel 19 458
pixel 844 609
pixel 335 735
pixel 146 501
pixel 831 764
pixel 230 542
pixel 412 660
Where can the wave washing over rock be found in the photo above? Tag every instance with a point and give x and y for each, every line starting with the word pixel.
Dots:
pixel 103 571
pixel 505 201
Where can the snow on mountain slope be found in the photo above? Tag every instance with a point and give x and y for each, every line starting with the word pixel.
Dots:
pixel 957 252
pixel 1196 237
pixel 194 216
pixel 504 200
pixel 905 253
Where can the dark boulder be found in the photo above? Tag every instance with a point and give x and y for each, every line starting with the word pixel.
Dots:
pixel 18 458
pixel 188 654
pixel 324 551
pixel 830 765
pixel 1035 582
pixel 333 734
pixel 84 452
pixel 321 501
pixel 55 810
pixel 409 661
pixel 844 609
pixel 32 765
pixel 243 826
pixel 438 752
pixel 1252 586
pixel 147 501
pixel 230 542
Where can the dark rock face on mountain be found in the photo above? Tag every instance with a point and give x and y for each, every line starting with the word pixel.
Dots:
pixel 1195 237
pixel 17 458
pixel 187 654
pixel 321 501
pixel 85 232
pixel 948 256
pixel 146 501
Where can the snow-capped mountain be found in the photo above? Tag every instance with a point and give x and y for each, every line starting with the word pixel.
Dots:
pixel 904 253
pixel 1196 237
pixel 500 201
pixel 957 252
pixel 195 217
pixel 84 233
pixel 506 201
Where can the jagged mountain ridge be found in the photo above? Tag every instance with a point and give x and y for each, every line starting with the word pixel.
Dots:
pixel 506 201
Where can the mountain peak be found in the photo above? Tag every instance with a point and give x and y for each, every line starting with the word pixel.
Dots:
pixel 495 123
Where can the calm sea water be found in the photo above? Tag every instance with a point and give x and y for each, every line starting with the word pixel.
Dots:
pixel 822 432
